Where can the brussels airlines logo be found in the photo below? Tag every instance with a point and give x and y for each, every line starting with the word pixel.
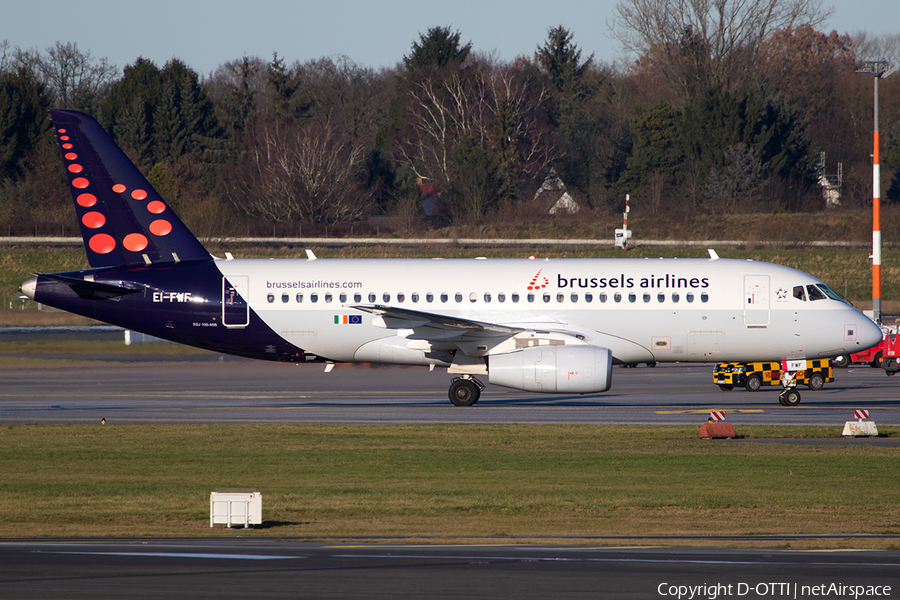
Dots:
pixel 534 285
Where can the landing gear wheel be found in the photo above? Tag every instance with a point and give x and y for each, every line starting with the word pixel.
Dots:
pixel 789 398
pixel 726 388
pixel 816 382
pixel 754 382
pixel 841 361
pixel 464 392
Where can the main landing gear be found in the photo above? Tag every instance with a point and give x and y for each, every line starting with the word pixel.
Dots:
pixel 465 390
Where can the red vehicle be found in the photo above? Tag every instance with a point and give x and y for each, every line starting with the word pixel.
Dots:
pixel 891 349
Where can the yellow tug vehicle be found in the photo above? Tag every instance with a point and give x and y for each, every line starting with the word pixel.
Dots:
pixel 755 375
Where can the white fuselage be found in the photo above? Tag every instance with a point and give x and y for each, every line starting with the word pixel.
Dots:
pixel 642 310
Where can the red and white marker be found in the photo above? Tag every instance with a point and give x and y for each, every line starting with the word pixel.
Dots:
pixel 716 416
pixel 861 414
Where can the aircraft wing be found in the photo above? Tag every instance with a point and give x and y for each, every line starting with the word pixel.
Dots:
pixel 442 326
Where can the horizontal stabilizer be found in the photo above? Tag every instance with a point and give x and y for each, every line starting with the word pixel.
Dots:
pixel 92 290
pixel 123 220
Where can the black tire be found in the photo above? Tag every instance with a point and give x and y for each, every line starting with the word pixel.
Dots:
pixel 789 398
pixel 754 382
pixel 816 381
pixel 464 392
pixel 841 362
pixel 876 362
pixel 726 388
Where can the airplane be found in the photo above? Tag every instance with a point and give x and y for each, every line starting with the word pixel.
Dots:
pixel 554 326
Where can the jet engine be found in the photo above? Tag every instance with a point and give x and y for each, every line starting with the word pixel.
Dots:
pixel 553 369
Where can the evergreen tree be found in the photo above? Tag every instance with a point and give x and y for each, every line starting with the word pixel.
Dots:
pixel 23 109
pixel 437 48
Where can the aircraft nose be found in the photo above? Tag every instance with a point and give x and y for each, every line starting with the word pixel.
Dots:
pixel 29 287
pixel 870 334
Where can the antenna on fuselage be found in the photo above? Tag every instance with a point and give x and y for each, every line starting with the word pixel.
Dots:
pixel 310 255
pixel 712 254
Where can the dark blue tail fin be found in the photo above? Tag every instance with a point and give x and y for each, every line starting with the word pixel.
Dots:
pixel 123 220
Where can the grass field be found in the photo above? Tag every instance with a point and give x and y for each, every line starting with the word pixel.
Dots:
pixel 443 482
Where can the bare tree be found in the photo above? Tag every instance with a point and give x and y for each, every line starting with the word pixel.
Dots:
pixel 74 78
pixel 306 174
pixel 698 44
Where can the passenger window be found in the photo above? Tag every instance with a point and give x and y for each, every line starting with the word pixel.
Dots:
pixel 632 297
pixel 299 297
pixel 675 297
pixel 401 297
pixel 531 297
pixel 487 297
pixel 546 297
pixel 444 297
pixel 515 297
pixel 646 297
pixel 415 297
pixel 560 297
pixel 799 294
pixel 314 298
pixel 429 297
pixel 704 297
pixel 473 296
pixel 660 297
pixel 285 298
pixel 501 297
pixel 371 296
pixel 343 298
pixel 270 298
pixel 617 297
pixel 328 297
pixel 574 297
pixel 815 293
pixel 458 297
pixel 588 297
pixel 689 297
pixel 386 298
pixel 602 296
pixel 357 297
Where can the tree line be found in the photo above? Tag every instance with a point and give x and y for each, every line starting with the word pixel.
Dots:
pixel 730 106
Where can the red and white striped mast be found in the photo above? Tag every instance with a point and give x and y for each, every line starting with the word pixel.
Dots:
pixel 878 69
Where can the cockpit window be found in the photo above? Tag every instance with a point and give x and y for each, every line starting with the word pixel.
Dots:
pixel 799 294
pixel 815 293
pixel 831 293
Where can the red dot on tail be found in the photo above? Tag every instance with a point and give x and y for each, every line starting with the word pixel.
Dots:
pixel 139 194
pixel 156 207
pixel 93 219
pixel 135 242
pixel 102 243
pixel 86 200
pixel 75 168
pixel 160 227
pixel 118 188
pixel 80 183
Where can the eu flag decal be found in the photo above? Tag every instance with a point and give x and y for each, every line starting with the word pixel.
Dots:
pixel 348 319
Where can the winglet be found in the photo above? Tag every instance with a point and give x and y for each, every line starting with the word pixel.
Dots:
pixel 124 221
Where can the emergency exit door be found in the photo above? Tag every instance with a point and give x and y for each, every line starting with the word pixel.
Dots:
pixel 756 300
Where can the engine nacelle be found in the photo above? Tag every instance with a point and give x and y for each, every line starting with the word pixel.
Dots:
pixel 553 369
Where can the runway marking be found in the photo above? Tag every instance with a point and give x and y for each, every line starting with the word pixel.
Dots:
pixel 179 555
pixel 706 412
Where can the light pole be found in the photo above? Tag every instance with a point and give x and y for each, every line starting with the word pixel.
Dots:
pixel 878 69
